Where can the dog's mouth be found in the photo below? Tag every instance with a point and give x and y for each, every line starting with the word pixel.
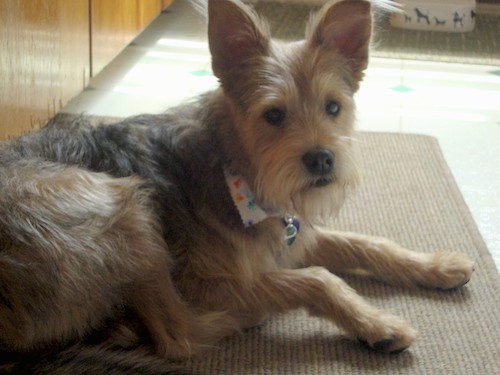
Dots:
pixel 322 182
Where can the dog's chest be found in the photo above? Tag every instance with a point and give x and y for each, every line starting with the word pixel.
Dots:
pixel 275 242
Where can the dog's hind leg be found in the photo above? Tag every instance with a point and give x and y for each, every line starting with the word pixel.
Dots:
pixel 74 247
pixel 176 331
pixel 389 262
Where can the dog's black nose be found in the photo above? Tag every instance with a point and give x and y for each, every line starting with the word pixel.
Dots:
pixel 319 162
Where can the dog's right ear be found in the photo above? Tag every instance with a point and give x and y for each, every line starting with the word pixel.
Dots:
pixel 345 27
pixel 235 34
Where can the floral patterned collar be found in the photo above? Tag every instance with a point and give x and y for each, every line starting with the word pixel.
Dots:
pixel 250 212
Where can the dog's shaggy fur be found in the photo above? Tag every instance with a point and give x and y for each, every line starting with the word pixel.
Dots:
pixel 125 236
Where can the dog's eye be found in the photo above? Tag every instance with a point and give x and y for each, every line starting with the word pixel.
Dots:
pixel 275 116
pixel 332 108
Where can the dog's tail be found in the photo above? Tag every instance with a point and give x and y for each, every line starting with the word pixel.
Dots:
pixel 79 360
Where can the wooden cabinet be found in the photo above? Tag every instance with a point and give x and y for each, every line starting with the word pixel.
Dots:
pixel 49 49
pixel 44 60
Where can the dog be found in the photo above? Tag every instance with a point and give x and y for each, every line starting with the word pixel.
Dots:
pixel 440 22
pixel 458 20
pixel 422 15
pixel 154 237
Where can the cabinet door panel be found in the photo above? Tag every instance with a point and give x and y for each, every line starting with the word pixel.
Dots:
pixel 44 60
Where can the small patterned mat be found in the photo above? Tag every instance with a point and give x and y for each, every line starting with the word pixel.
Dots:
pixel 481 46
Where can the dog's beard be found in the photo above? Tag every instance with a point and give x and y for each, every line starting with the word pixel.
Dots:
pixel 283 185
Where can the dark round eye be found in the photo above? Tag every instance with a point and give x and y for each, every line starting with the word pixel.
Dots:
pixel 275 116
pixel 332 108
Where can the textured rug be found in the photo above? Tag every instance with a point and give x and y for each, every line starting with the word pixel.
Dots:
pixel 481 46
pixel 409 195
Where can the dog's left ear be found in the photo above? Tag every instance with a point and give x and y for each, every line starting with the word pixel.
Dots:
pixel 344 27
pixel 235 34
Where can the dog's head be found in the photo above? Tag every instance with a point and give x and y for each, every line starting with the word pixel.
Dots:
pixel 290 105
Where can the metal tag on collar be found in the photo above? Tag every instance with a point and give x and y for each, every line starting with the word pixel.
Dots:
pixel 292 226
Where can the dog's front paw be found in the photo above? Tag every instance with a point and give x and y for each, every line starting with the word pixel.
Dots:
pixel 389 335
pixel 448 270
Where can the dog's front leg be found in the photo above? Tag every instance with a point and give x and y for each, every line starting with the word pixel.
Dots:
pixel 389 262
pixel 325 295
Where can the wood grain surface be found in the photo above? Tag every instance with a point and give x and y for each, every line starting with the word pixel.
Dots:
pixel 44 60
pixel 49 49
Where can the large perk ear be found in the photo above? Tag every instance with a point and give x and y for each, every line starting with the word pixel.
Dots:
pixel 344 27
pixel 235 35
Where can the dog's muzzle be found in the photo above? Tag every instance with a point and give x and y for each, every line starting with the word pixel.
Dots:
pixel 320 164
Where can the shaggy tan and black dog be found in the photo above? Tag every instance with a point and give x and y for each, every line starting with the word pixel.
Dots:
pixel 171 231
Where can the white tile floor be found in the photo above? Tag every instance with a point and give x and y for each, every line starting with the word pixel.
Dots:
pixel 458 104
